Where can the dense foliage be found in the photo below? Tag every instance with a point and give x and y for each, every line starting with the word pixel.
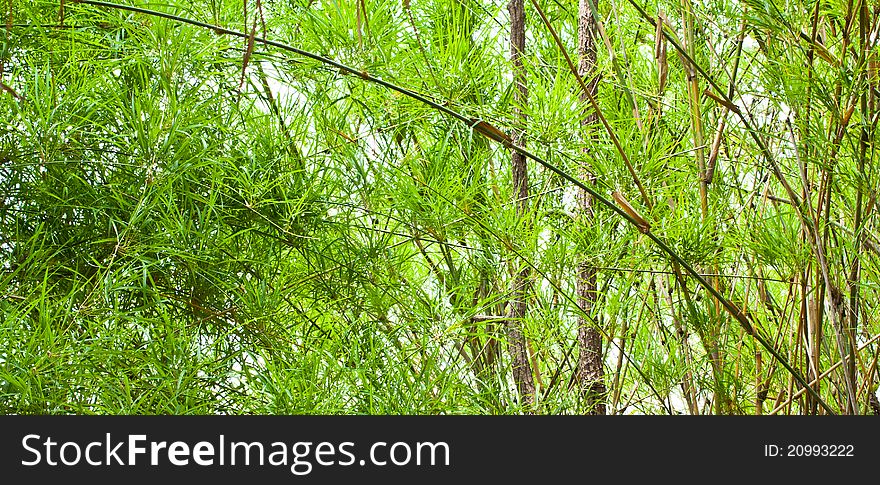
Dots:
pixel 198 222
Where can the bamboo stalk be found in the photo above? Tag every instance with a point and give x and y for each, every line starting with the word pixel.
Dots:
pixel 591 373
pixel 523 374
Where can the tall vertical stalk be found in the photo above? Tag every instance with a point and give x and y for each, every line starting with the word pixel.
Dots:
pixel 522 370
pixel 864 141
pixel 590 370
pixel 711 337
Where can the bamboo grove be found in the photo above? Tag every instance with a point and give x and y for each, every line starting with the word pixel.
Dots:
pixel 439 206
